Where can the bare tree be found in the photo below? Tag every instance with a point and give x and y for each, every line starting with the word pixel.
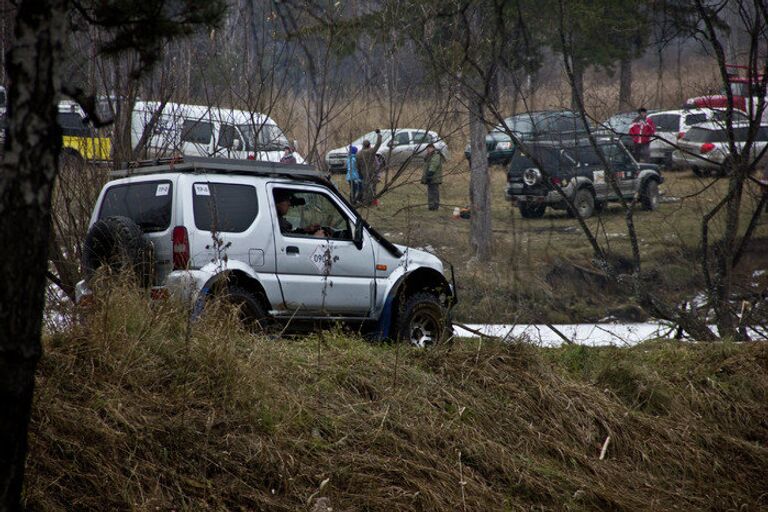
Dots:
pixel 29 171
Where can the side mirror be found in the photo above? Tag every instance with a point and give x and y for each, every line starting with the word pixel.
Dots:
pixel 237 145
pixel 357 239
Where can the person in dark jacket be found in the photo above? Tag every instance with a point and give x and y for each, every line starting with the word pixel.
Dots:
pixel 366 164
pixel 432 176
pixel 288 156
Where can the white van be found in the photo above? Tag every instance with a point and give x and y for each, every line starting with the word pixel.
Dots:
pixel 196 130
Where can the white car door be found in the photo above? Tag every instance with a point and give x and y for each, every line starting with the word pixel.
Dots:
pixel 324 275
pixel 667 128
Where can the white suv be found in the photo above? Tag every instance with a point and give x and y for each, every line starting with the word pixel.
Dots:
pixel 672 125
pixel 276 240
pixel 705 147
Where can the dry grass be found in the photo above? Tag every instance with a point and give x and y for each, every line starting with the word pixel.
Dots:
pixel 133 411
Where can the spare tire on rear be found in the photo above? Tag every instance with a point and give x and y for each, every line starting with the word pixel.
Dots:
pixel 117 242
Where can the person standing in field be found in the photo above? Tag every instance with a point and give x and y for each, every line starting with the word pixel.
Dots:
pixel 432 176
pixel 353 176
pixel 642 131
pixel 288 156
pixel 366 164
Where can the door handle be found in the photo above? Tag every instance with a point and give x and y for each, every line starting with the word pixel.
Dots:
pixel 292 249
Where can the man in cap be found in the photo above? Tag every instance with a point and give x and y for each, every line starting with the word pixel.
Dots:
pixel 284 200
pixel 432 176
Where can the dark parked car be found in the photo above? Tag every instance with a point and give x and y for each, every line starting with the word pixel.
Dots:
pixel 554 125
pixel 577 169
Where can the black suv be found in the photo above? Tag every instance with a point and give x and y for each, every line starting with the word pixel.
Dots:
pixel 551 125
pixel 579 171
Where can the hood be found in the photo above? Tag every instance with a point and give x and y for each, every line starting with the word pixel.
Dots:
pixel 419 258
pixel 344 151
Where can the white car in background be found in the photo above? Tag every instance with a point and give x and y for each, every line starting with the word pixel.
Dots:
pixel 672 125
pixel 397 147
pixel 704 148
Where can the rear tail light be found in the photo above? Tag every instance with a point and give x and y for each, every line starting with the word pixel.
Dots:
pixel 706 148
pixel 251 156
pixel 180 242
pixel 555 180
pixel 680 135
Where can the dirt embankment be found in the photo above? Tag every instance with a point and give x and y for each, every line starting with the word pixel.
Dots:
pixel 135 411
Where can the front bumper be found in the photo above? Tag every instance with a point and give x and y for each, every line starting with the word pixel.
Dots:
pixel 521 193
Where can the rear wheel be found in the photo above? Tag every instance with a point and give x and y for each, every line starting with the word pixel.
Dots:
pixel 250 309
pixel 649 196
pixel 423 321
pixel 532 211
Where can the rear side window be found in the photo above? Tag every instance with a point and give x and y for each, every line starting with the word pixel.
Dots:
pixel 224 207
pixel 691 119
pixel 147 203
pixel 704 135
pixel 197 132
pixel 667 122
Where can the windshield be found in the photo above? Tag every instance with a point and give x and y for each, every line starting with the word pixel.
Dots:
pixel 620 122
pixel 371 137
pixel 266 137
pixel 517 124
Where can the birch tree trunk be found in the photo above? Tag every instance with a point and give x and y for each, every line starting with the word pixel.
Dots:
pixel 479 184
pixel 29 169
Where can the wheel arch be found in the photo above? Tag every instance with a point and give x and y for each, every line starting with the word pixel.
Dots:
pixel 238 277
pixel 418 280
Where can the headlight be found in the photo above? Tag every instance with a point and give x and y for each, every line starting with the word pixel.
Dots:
pixel 531 176
pixel 504 145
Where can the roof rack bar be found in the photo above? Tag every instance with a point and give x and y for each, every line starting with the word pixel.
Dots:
pixel 193 164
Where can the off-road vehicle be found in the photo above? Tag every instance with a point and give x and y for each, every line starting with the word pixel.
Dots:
pixel 534 175
pixel 276 240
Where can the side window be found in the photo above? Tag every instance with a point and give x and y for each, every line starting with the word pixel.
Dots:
pixel 224 207
pixel 692 119
pixel 667 122
pixel 72 125
pixel 421 138
pixel 226 135
pixel 197 132
pixel 309 213
pixel 402 138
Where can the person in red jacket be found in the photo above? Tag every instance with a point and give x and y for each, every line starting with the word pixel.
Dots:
pixel 642 131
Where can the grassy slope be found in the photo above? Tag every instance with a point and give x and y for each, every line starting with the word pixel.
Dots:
pixel 133 411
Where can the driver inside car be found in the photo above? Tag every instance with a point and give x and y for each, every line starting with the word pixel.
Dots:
pixel 284 200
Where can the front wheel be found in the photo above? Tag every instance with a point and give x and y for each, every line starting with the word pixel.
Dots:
pixel 423 321
pixel 649 197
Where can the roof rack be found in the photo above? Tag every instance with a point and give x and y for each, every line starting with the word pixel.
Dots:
pixel 201 165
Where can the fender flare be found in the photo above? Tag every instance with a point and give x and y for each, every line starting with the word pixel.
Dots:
pixel 234 270
pixel 384 323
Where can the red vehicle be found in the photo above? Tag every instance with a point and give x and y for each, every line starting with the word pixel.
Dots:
pixel 746 88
